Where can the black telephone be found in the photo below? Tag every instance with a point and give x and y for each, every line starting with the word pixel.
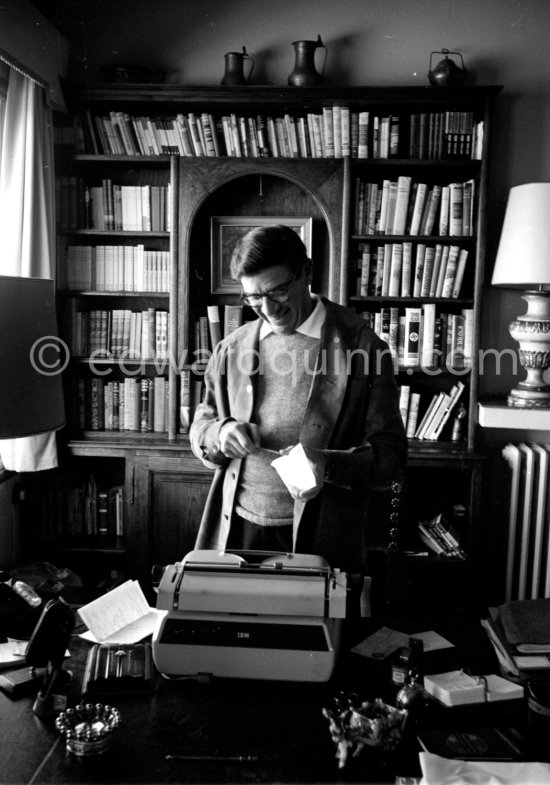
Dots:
pixel 47 648
pixel 51 635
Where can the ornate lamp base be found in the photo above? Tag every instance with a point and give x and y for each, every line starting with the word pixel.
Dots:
pixel 532 332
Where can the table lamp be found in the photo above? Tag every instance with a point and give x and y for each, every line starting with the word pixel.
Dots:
pixel 523 262
pixel 31 391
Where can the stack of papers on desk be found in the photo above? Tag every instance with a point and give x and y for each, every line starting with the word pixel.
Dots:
pixel 456 688
pixel 520 633
pixel 526 624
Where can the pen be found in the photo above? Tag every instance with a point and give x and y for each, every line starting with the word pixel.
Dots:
pixel 237 758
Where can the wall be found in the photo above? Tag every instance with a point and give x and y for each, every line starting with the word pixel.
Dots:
pixel 33 41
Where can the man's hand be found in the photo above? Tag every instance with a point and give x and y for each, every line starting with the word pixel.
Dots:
pixel 317 462
pixel 239 439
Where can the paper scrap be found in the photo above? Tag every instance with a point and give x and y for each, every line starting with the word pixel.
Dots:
pixel 442 771
pixel 532 661
pixel 120 616
pixel 385 641
pixel 12 653
pixel 294 469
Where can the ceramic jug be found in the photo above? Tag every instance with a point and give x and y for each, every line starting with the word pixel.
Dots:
pixel 304 72
pixel 234 68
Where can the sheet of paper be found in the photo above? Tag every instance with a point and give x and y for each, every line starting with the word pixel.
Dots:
pixel 528 662
pixel 294 469
pixel 12 653
pixel 442 771
pixel 433 640
pixel 385 641
pixel 381 643
pixel 131 633
pixel 124 611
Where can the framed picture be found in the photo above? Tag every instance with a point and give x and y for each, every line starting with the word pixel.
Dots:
pixel 227 229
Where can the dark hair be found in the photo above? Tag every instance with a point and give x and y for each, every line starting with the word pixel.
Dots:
pixel 268 246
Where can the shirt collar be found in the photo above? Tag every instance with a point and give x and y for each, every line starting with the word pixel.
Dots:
pixel 311 327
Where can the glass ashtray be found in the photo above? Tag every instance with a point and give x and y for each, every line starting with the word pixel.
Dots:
pixel 88 728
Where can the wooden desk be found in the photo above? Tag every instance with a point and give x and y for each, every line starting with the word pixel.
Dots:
pixel 280 723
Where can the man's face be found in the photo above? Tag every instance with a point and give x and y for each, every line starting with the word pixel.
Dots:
pixel 277 281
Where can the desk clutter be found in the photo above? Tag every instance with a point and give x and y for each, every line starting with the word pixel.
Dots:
pixel 356 724
pixel 519 631
pixel 232 623
pixel 118 669
pixel 458 688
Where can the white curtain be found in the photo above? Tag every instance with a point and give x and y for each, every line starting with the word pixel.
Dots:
pixel 27 223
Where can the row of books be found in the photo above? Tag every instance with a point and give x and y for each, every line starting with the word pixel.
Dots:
pixel 110 206
pixel 210 328
pixel 115 268
pixel 131 404
pixel 421 338
pixel 337 131
pixel 404 270
pixel 81 507
pixel 435 417
pixel 452 134
pixel 404 206
pixel 118 333
pixel 441 538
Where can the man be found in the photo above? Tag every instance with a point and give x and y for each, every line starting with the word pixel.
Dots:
pixel 306 371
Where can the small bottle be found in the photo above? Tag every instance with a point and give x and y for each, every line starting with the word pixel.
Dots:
pixel 405 659
pixel 412 696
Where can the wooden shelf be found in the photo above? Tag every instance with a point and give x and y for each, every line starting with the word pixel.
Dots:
pixel 165 485
pixel 499 415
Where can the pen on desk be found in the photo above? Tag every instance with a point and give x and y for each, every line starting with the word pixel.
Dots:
pixel 235 758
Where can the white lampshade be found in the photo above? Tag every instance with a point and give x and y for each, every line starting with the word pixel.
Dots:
pixel 523 258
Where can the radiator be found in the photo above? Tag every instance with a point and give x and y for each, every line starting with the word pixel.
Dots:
pixel 528 524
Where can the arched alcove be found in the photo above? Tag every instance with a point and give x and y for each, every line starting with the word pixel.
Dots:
pixel 259 188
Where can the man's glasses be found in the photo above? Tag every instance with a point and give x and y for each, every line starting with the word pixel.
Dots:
pixel 279 295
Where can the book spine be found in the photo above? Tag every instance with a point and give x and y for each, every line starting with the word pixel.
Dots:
pixel 396 266
pixel 412 419
pixel 429 540
pixel 185 400
pixel 413 318
pixel 404 400
pixel 213 313
pixel 428 335
pixel 406 270
pixel 233 318
pixel 402 204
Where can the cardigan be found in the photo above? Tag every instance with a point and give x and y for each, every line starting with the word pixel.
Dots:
pixel 352 415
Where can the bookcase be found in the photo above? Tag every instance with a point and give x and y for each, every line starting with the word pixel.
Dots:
pixel 348 166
